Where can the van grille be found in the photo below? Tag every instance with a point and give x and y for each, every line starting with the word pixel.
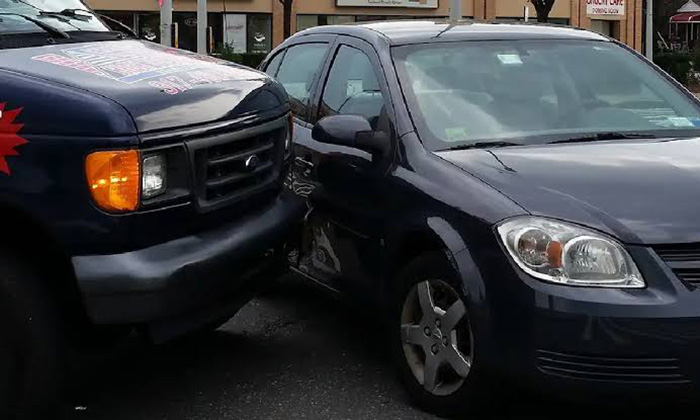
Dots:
pixel 684 260
pixel 234 166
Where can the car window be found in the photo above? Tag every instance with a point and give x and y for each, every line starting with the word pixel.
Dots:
pixel 353 87
pixel 537 92
pixel 274 65
pixel 298 71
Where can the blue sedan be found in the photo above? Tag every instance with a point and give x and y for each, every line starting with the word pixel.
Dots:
pixel 513 200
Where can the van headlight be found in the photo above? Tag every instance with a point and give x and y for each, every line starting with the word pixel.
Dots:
pixel 567 254
pixel 154 176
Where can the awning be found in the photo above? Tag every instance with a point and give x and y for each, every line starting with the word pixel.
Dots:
pixel 688 17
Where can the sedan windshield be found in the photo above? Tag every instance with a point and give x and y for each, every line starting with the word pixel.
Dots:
pixel 64 15
pixel 476 94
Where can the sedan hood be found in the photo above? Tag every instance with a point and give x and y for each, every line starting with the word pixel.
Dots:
pixel 643 192
pixel 161 88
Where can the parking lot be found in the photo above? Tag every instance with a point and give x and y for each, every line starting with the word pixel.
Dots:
pixel 293 353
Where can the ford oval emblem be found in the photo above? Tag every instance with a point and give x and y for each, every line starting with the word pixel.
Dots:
pixel 252 163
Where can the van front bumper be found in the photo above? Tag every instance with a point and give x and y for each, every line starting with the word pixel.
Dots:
pixel 201 273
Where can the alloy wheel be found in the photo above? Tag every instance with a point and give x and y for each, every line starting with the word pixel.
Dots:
pixel 437 338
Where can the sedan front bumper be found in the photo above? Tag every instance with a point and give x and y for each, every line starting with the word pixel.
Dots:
pixel 596 341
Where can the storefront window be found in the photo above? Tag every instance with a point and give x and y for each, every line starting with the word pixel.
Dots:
pixel 149 26
pixel 310 21
pixel 247 33
pixel 306 22
pixel 377 18
pixel 559 21
pixel 235 32
pixel 338 20
pixel 187 28
pixel 553 21
pixel 374 18
pixel 604 27
pixel 259 34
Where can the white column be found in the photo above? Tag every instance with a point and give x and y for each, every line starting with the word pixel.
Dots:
pixel 456 10
pixel 526 12
pixel 650 30
pixel 202 26
pixel 166 23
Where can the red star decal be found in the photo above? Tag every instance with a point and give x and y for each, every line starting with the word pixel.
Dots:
pixel 9 137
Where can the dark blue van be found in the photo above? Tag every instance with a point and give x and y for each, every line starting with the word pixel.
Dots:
pixel 140 186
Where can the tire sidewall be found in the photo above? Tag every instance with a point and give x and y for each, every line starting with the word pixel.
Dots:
pixel 433 266
pixel 36 329
pixel 12 363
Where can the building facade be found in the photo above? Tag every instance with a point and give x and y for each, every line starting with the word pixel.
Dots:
pixel 256 26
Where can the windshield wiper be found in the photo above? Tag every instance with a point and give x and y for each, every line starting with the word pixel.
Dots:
pixel 121 25
pixel 67 14
pixel 485 145
pixel 81 14
pixel 43 25
pixel 614 135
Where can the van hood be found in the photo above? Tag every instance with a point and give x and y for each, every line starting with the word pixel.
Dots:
pixel 643 192
pixel 161 88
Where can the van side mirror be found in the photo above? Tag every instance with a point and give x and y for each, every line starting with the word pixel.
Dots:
pixel 351 131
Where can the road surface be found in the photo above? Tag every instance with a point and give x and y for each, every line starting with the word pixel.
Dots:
pixel 295 353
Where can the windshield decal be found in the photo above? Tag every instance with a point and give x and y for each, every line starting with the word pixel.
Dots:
pixel 170 70
pixel 9 136
pixel 456 134
pixel 510 59
pixel 680 122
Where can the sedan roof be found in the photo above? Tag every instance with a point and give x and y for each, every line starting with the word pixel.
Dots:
pixel 401 32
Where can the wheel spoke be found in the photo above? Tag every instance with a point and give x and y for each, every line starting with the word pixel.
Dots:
pixel 430 373
pixel 426 299
pixel 412 334
pixel 457 361
pixel 453 315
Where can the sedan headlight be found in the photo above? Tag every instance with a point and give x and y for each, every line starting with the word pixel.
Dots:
pixel 563 253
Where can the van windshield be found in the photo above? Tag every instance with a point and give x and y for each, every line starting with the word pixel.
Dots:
pixel 534 92
pixel 66 15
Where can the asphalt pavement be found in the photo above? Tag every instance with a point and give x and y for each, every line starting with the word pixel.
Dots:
pixel 294 353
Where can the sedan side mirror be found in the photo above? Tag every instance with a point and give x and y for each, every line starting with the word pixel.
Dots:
pixel 351 131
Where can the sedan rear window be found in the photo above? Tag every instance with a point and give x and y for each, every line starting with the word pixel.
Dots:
pixel 536 92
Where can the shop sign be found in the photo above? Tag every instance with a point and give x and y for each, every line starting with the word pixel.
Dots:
pixel 605 7
pixel 236 32
pixel 259 34
pixel 260 44
pixel 424 4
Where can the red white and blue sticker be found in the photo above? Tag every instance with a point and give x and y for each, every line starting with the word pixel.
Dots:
pixel 10 138
pixel 168 69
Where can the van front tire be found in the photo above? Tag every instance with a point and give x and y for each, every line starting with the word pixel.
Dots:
pixel 32 344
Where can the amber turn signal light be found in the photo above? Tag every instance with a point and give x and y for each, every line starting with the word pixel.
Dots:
pixel 114 178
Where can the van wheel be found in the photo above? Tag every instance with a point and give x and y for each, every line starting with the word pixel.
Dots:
pixel 9 361
pixel 433 341
pixel 31 350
